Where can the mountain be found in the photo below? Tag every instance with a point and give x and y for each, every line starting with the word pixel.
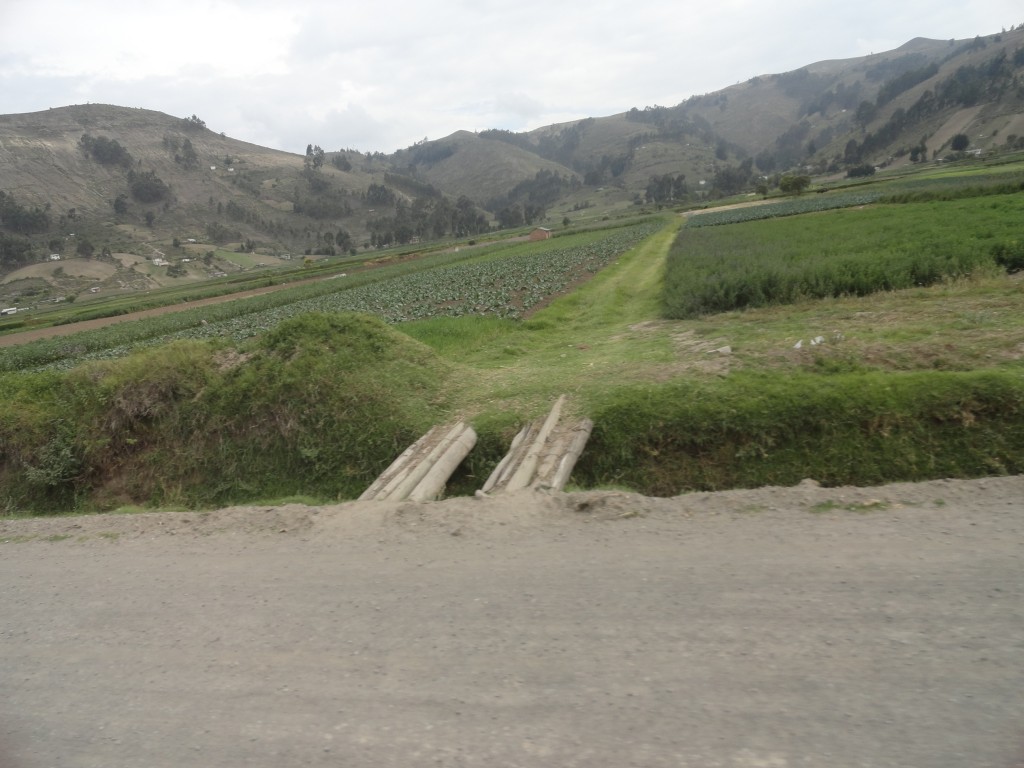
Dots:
pixel 876 110
pixel 121 177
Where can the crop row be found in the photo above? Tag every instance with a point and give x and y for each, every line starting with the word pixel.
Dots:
pixel 842 253
pixel 792 207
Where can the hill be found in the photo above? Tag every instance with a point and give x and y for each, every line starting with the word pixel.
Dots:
pixel 887 108
pixel 163 199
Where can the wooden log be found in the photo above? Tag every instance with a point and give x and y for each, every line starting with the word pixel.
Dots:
pixel 411 479
pixel 580 435
pixel 432 484
pixel 506 465
pixel 523 476
pixel 390 476
pixel 557 444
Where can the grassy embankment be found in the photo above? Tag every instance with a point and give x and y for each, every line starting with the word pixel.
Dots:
pixel 908 383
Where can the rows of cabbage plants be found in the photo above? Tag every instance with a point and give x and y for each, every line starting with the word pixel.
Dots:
pixel 508 286
pixel 508 282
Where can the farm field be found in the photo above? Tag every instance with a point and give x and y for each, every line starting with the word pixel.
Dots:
pixel 493 281
pixel 850 252
pixel 93 270
pixel 856 387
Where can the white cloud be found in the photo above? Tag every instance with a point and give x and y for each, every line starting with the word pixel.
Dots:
pixel 380 77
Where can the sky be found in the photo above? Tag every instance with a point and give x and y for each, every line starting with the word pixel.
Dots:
pixel 382 76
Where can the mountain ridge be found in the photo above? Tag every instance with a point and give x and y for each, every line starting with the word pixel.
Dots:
pixel 123 176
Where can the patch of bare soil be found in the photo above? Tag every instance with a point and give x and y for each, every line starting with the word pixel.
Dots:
pixel 515 509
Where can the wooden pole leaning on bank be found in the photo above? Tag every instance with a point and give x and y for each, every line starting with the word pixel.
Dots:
pixel 542 455
pixel 421 471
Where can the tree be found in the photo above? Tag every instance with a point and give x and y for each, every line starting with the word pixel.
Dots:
pixel 378 194
pixel 25 221
pixel 85 248
pixel 188 156
pixel 852 152
pixel 121 203
pixel 960 142
pixel 859 171
pixel 14 251
pixel 510 216
pixel 731 180
pixel 866 112
pixel 147 187
pixel 105 151
pixel 794 185
pixel 314 157
pixel 194 123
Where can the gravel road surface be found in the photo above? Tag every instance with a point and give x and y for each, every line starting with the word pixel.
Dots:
pixel 772 628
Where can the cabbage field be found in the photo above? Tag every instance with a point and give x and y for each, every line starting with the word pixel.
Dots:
pixel 506 282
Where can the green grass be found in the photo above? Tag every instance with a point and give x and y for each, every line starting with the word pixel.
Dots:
pixel 847 429
pixel 581 342
pixel 313 407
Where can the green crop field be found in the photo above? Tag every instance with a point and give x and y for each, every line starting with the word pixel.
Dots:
pixel 843 252
pixel 854 345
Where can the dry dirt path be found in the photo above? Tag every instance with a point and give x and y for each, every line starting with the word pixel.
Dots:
pixel 24 337
pixel 772 628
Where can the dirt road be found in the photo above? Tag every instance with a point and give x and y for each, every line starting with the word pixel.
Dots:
pixel 24 337
pixel 772 629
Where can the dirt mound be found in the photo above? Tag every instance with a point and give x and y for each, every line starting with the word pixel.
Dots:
pixel 511 511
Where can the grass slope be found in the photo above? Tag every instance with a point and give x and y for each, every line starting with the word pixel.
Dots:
pixel 904 384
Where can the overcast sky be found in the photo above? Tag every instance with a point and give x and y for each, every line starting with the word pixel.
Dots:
pixel 379 76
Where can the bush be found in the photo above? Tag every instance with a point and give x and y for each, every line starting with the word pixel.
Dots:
pixel 859 171
pixel 319 406
pixel 148 187
pixel 1010 256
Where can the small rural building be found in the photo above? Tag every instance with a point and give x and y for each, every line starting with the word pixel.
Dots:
pixel 540 233
pixel 54 257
